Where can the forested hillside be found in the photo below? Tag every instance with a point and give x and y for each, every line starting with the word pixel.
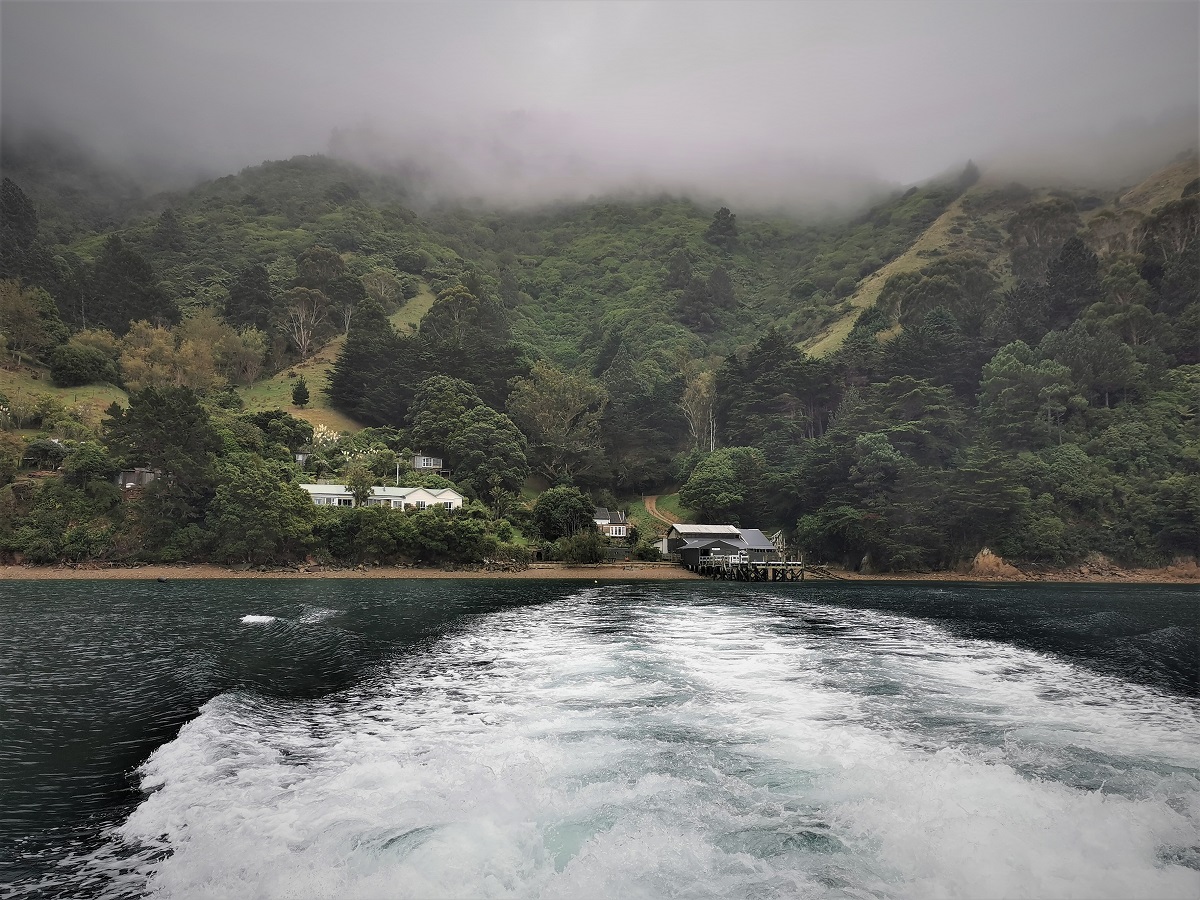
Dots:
pixel 989 364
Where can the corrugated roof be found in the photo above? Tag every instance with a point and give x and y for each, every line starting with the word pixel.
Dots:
pixel 383 491
pixel 684 530
pixel 745 539
pixel 755 539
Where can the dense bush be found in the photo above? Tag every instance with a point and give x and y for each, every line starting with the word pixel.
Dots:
pixel 73 365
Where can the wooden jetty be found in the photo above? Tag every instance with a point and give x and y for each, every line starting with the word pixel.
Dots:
pixel 726 569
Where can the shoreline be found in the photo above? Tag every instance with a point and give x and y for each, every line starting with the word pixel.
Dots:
pixel 631 571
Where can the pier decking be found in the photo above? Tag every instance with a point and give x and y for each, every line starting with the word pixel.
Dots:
pixel 736 570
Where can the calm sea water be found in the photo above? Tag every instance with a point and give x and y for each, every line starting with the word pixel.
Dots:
pixel 500 739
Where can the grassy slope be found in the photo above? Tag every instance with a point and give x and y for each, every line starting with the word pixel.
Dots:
pixel 1163 186
pixel 645 522
pixel 408 317
pixel 30 383
pixel 276 392
pixel 936 240
pixel 670 503
pixel 978 233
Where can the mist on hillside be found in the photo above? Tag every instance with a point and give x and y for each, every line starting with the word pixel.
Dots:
pixel 807 106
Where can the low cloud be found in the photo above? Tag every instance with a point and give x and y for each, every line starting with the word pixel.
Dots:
pixel 805 104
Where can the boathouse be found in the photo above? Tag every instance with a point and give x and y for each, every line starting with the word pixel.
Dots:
pixel 692 544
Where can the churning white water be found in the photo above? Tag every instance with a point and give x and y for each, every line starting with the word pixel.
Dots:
pixel 593 748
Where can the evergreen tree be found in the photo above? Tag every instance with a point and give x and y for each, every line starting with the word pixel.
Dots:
pixel 125 289
pixel 1072 282
pixel 720 289
pixel 563 511
pixel 250 300
pixel 437 412
pixel 317 266
pixel 679 273
pixel 257 517
pixel 18 228
pixel 488 454
pixel 1023 314
pixel 167 429
pixel 300 393
pixel 371 347
pixel 722 232
pixel 168 233
pixel 695 306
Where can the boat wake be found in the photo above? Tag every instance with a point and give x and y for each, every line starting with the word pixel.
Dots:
pixel 656 748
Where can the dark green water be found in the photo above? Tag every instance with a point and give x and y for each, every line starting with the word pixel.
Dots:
pixel 470 738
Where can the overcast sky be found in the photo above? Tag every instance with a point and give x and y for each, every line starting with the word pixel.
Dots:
pixel 555 97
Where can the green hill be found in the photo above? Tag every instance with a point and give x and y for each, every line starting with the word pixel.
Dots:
pixel 573 275
pixel 967 362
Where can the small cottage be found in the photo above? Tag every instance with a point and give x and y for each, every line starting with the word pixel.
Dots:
pixel 614 524
pixel 429 465
pixel 128 479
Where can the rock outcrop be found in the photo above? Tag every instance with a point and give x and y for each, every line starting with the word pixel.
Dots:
pixel 988 565
pixel 1184 567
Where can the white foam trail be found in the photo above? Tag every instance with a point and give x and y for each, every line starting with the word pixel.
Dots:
pixel 576 749
pixel 258 620
pixel 312 616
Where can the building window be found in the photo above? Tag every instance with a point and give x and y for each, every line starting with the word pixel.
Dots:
pixel 420 504
pixel 449 504
pixel 345 501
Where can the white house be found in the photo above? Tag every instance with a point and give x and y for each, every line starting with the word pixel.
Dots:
pixel 613 524
pixel 393 497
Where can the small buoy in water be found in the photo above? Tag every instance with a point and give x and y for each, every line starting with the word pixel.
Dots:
pixel 162 580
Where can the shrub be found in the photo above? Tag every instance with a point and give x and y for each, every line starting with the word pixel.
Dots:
pixel 647 552
pixel 844 287
pixel 584 547
pixel 73 365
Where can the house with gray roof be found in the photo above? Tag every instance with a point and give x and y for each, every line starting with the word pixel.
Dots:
pixel 613 524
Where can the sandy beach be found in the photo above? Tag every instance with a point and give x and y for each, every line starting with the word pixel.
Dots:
pixel 630 571
pixel 599 572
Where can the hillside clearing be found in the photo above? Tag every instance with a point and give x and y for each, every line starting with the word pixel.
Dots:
pixel 26 385
pixel 276 392
pixel 931 243
pixel 1163 186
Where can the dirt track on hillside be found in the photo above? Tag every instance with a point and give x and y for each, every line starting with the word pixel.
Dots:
pixel 652 509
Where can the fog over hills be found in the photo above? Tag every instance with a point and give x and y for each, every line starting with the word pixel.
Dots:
pixel 807 105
